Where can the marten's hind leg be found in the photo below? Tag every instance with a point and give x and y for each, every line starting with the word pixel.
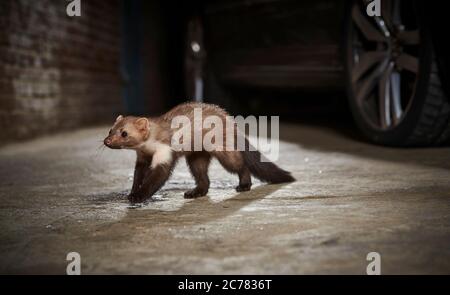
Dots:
pixel 245 180
pixel 198 165
pixel 233 162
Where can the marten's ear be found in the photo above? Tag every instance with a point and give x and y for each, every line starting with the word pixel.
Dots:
pixel 119 118
pixel 142 124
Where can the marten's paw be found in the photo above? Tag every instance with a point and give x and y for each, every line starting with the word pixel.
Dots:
pixel 243 188
pixel 195 193
pixel 136 198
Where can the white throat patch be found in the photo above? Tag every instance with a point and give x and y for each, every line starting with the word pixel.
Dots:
pixel 161 152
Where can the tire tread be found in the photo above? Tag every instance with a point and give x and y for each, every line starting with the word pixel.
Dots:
pixel 433 127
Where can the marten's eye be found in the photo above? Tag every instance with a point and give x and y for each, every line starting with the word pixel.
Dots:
pixel 110 131
pixel 124 134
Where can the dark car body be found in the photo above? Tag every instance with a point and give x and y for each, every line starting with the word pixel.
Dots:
pixel 284 43
pixel 393 67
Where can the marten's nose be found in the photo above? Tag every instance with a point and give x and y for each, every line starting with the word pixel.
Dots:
pixel 107 141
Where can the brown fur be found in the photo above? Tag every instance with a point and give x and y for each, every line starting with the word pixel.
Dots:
pixel 151 138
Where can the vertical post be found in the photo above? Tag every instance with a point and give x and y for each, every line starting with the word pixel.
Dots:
pixel 195 56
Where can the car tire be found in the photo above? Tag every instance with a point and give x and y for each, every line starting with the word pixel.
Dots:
pixel 393 81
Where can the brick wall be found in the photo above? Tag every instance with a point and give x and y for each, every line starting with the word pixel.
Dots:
pixel 57 72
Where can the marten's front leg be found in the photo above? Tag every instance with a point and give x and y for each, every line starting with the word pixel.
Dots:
pixel 153 180
pixel 141 168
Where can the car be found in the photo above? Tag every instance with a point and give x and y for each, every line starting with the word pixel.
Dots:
pixel 393 67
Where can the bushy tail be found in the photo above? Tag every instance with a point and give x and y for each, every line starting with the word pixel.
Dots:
pixel 264 171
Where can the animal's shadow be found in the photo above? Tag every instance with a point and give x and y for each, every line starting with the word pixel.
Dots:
pixel 194 211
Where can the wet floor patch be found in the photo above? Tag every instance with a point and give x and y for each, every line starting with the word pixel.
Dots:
pixel 169 198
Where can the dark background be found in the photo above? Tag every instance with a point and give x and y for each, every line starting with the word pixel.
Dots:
pixel 59 72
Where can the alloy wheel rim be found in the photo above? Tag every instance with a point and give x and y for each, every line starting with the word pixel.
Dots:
pixel 385 62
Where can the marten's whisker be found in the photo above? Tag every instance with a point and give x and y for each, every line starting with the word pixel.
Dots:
pixel 98 151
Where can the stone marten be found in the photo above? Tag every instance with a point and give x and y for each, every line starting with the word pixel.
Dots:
pixel 151 138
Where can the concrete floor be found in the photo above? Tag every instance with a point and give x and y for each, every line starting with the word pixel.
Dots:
pixel 61 194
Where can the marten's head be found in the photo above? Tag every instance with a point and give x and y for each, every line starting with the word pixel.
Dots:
pixel 127 133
